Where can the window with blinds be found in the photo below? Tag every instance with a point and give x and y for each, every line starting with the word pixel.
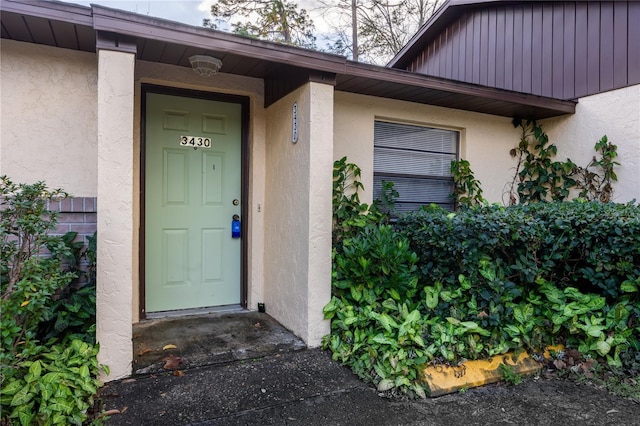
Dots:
pixel 417 160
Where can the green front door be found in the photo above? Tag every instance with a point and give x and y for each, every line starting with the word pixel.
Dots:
pixel 192 192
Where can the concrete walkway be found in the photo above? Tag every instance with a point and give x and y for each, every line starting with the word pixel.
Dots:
pixel 288 386
pixel 200 340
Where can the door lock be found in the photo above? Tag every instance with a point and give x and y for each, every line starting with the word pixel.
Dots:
pixel 235 226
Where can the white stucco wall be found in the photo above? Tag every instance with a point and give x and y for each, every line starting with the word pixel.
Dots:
pixel 615 114
pixel 320 121
pixel 115 249
pixel 485 140
pixel 173 76
pixel 298 211
pixel 48 126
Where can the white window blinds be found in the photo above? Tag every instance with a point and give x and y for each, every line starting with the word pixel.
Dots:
pixel 417 160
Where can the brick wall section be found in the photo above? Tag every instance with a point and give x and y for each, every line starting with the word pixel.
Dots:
pixel 77 214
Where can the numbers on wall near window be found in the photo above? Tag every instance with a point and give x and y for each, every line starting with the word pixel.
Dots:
pixel 417 159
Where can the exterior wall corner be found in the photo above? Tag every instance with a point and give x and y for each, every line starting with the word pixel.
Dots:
pixel 298 211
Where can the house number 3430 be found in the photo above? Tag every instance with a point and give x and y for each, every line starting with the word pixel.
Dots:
pixel 195 141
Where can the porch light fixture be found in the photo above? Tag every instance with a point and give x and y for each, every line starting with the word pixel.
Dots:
pixel 206 66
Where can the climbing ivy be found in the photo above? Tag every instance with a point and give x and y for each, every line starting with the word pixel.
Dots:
pixel 596 186
pixel 467 189
pixel 539 177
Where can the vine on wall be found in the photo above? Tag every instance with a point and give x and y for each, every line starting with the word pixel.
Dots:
pixel 539 177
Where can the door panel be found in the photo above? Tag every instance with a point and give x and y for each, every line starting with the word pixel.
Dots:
pixel 212 246
pixel 175 256
pixel 212 179
pixel 191 261
pixel 175 180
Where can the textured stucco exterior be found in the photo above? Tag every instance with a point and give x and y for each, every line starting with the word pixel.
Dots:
pixel 49 116
pixel 320 121
pixel 485 140
pixel 298 211
pixel 615 114
pixel 115 211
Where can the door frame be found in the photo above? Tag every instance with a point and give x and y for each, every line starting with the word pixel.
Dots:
pixel 243 101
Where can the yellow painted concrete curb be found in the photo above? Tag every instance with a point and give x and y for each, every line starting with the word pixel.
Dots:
pixel 445 379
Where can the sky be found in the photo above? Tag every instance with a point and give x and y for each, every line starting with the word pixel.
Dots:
pixel 190 12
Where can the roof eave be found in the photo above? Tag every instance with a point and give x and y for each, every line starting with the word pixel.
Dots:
pixel 55 10
pixel 113 20
pixel 552 107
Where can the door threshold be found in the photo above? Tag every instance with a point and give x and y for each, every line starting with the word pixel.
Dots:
pixel 195 311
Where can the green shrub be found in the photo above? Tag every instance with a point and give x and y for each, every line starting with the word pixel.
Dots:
pixel 54 386
pixel 375 328
pixel 533 275
pixel 375 265
pixel 48 374
pixel 372 270
pixel 29 278
pixel 442 287
pixel 73 306
pixel 592 246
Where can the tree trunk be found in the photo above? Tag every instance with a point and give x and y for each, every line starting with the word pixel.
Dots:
pixel 354 29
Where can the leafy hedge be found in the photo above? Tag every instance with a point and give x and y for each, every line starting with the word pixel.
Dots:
pixel 442 287
pixel 592 246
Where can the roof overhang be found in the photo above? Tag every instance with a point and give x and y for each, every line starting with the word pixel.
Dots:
pixel 283 68
pixel 397 84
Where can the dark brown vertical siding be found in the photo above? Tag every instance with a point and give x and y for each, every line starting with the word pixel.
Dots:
pixel 620 31
pixel 581 49
pixel 468 58
pixel 568 71
pixel 593 56
pixel 559 49
pixel 633 44
pixel 547 50
pixel 508 49
pixel 443 56
pixel 517 48
pixel 429 62
pixel 438 59
pixel 491 52
pixel 448 53
pixel 536 51
pixel 462 50
pixel 454 42
pixel 476 49
pixel 527 47
pixel 606 46
pixel 484 48
pixel 500 46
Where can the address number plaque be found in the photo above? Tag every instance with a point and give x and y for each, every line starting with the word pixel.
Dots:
pixel 195 142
